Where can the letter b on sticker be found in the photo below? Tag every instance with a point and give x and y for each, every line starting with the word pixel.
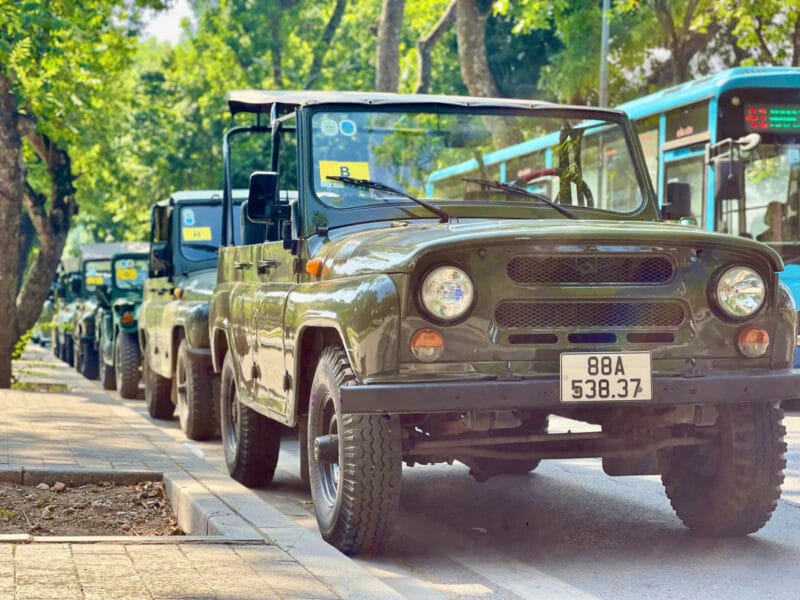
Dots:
pixel 344 171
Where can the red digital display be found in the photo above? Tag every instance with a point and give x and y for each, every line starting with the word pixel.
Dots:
pixel 772 117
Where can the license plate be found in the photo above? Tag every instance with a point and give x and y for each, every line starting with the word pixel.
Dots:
pixel 605 376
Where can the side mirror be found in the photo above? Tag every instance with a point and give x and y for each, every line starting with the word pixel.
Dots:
pixel 160 263
pixel 679 202
pixel 262 201
pixel 728 179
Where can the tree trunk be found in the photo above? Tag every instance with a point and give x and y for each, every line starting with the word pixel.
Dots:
pixel 474 62
pixel 387 61
pixel 11 189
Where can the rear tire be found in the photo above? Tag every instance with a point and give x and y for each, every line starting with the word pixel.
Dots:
pixel 731 486
pixel 126 364
pixel 69 354
pixel 194 395
pixel 250 440
pixel 355 499
pixel 157 393
pixel 107 375
pixel 87 365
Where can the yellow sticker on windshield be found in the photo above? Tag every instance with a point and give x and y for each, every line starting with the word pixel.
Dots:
pixel 357 170
pixel 197 234
pixel 94 280
pixel 127 274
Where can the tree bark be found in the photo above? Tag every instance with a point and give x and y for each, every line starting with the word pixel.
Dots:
pixel 474 62
pixel 11 188
pixel 387 60
pixel 425 46
pixel 51 227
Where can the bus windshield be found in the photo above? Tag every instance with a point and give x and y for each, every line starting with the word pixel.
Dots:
pixel 457 157
pixel 769 210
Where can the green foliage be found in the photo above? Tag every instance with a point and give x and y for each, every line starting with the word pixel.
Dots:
pixel 19 347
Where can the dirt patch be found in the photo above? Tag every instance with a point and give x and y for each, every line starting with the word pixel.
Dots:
pixel 102 509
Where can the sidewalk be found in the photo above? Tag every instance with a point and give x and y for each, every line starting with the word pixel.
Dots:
pixel 247 548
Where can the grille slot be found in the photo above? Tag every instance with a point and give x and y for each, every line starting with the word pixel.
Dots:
pixel 513 314
pixel 557 270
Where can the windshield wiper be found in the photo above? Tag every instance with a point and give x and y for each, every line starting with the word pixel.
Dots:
pixel 513 188
pixel 382 187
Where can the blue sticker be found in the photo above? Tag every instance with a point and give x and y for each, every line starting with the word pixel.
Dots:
pixel 347 127
pixel 188 217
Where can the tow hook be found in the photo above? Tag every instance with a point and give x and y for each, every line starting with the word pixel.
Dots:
pixel 326 449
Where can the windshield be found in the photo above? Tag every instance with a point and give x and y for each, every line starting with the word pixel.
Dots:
pixel 431 154
pixel 201 230
pixel 769 211
pixel 96 272
pixel 130 273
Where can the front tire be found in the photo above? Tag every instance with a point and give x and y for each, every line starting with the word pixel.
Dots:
pixel 157 393
pixel 731 486
pixel 126 364
pixel 251 441
pixel 356 498
pixel 194 395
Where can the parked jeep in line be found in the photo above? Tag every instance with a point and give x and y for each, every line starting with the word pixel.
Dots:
pixel 452 271
pixel 95 273
pixel 116 323
pixel 64 299
pixel 186 231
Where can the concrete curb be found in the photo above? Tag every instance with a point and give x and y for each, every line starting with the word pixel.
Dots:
pixel 73 476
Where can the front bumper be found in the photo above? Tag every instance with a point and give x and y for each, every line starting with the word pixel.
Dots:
pixel 544 393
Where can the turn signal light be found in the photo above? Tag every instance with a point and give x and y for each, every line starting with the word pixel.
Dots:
pixel 178 293
pixel 427 345
pixel 314 266
pixel 127 318
pixel 753 341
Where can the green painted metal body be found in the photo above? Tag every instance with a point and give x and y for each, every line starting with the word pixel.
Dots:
pixel 274 317
pixel 175 302
pixel 118 302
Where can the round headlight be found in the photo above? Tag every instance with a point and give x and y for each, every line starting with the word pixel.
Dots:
pixel 447 293
pixel 740 292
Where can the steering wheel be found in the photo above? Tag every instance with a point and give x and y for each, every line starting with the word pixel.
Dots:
pixel 584 191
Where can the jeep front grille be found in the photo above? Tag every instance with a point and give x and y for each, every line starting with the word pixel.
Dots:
pixel 515 314
pixel 558 270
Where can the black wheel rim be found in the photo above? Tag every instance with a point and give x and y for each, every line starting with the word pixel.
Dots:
pixel 329 473
pixel 232 416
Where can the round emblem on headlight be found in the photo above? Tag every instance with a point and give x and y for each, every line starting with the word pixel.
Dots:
pixel 447 293
pixel 740 292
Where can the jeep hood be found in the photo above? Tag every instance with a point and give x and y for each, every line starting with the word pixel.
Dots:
pixel 397 247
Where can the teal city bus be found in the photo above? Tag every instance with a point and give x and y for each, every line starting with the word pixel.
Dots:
pixel 692 134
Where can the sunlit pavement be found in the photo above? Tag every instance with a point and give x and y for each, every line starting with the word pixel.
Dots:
pixel 566 531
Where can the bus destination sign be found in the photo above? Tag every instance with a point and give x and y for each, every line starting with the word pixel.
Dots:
pixel 772 117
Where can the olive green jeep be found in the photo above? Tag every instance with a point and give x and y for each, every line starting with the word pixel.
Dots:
pixel 173 319
pixel 116 319
pixel 64 299
pixel 453 271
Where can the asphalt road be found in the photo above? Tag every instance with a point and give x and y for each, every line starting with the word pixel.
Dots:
pixel 565 531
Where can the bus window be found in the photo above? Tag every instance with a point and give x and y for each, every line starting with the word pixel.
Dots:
pixel 687 121
pixel 770 209
pixel 691 171
pixel 648 137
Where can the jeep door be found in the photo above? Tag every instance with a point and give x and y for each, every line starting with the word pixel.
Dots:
pixel 274 268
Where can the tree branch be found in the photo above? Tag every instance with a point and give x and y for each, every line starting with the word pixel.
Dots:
pixel 324 42
pixel 425 46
